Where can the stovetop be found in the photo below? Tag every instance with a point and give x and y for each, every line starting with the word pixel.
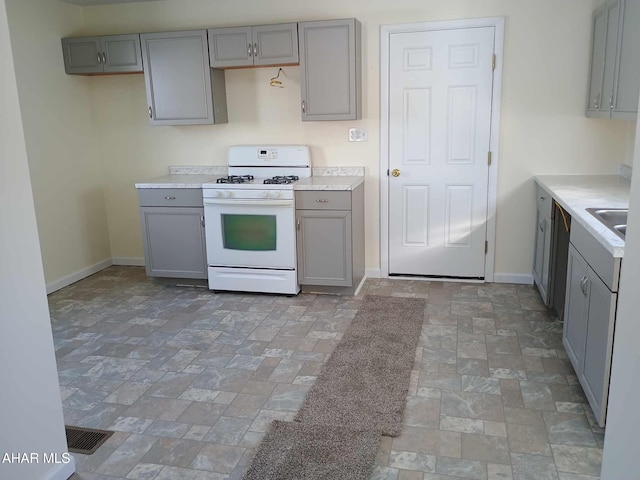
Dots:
pixel 275 180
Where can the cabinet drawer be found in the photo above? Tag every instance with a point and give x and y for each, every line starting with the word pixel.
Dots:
pixel 601 261
pixel 170 197
pixel 323 200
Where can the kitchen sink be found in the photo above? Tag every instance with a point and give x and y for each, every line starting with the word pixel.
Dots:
pixel 613 218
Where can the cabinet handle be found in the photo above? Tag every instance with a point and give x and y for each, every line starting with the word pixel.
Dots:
pixel 255 50
pixel 104 58
pixel 298 224
pixel 202 220
pixel 169 197
pixel 596 102
pixel 249 50
pixel 583 285
pixel 150 113
pixel 304 107
pixel 322 200
pixel 99 58
pixel 611 102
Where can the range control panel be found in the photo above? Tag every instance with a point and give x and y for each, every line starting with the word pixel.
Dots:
pixel 268 153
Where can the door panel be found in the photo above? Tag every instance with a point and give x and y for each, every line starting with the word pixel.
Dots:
pixel 575 327
pixel 122 53
pixel 275 44
pixel 596 367
pixel 415 215
pixel 440 92
pixel 597 59
pixel 230 47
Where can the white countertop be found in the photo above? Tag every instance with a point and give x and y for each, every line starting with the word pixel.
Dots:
pixel 326 182
pixel 576 193
pixel 178 181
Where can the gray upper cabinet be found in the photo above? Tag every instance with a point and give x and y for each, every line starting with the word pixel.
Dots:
pixel 181 87
pixel 107 54
pixel 251 46
pixel 330 69
pixel 614 80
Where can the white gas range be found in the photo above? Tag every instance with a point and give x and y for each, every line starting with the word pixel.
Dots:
pixel 250 219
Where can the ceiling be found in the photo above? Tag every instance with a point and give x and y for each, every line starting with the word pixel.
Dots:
pixel 87 3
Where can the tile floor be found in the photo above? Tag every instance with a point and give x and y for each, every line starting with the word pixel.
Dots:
pixel 189 380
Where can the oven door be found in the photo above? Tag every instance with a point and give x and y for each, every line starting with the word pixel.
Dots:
pixel 250 233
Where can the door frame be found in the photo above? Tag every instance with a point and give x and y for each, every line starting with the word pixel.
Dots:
pixel 492 187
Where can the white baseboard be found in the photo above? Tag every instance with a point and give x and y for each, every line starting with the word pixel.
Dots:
pixel 63 471
pixel 372 273
pixel 79 275
pixel 131 261
pixel 520 278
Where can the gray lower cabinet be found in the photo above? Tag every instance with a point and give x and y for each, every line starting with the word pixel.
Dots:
pixel 330 69
pixel 172 222
pixel 542 259
pixel 330 239
pixel 614 77
pixel 253 46
pixel 589 319
pixel 106 54
pixel 181 87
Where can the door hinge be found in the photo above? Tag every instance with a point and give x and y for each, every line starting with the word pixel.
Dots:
pixel 489 159
pixel 493 62
pixel 486 247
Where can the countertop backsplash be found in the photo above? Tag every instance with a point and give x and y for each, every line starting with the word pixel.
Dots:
pixel 198 170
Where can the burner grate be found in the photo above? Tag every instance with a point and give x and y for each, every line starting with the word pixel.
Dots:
pixel 235 179
pixel 280 180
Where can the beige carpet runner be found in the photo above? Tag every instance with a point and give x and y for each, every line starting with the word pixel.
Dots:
pixel 360 394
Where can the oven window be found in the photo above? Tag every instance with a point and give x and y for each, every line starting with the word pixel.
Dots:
pixel 249 232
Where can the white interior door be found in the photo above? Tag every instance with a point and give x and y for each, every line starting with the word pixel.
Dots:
pixel 440 87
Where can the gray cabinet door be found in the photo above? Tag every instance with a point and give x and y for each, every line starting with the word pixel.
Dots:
pixel 324 247
pixel 614 15
pixel 82 55
pixel 275 44
pixel 174 244
pixel 230 47
pixel 628 78
pixel 596 366
pixel 598 45
pixel 121 53
pixel 542 258
pixel 178 79
pixel 575 311
pixel 330 72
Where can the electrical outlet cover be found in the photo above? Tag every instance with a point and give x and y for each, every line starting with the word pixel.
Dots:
pixel 358 135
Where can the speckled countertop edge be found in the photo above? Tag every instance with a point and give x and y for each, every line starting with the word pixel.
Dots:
pixel 326 182
pixel 576 193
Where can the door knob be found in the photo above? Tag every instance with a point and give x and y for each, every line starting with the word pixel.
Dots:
pixel 395 172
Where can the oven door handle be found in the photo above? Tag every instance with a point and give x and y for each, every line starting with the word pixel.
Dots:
pixel 252 203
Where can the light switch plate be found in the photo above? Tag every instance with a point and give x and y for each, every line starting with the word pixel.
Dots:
pixel 358 135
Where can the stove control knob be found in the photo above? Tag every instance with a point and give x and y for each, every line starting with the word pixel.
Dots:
pixel 218 193
pixel 276 194
pixel 265 194
pixel 228 193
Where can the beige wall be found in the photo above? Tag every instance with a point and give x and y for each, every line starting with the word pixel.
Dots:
pixel 60 135
pixel 543 125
